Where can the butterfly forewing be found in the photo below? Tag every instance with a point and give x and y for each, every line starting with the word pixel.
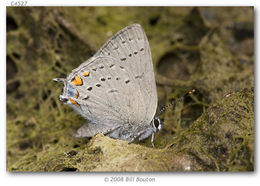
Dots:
pixel 134 51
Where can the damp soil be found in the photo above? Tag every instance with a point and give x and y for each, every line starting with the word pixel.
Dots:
pixel 210 50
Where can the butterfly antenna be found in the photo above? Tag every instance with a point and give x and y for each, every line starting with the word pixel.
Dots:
pixel 164 108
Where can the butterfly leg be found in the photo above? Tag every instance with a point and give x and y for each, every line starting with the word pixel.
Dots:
pixel 136 136
pixel 110 130
pixel 152 140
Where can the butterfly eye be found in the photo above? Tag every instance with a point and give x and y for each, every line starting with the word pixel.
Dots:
pixel 157 124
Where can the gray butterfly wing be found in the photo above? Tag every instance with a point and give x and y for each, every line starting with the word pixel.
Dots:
pixel 120 85
pixel 131 46
pixel 90 129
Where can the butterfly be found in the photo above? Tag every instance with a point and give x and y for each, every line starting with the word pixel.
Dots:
pixel 115 90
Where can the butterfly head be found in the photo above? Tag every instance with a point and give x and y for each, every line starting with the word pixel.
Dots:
pixel 157 124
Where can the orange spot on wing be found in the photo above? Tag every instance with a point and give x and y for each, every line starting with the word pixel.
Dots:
pixel 74 102
pixel 76 95
pixel 77 81
pixel 86 73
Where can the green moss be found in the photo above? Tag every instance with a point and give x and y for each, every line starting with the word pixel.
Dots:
pixel 222 138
